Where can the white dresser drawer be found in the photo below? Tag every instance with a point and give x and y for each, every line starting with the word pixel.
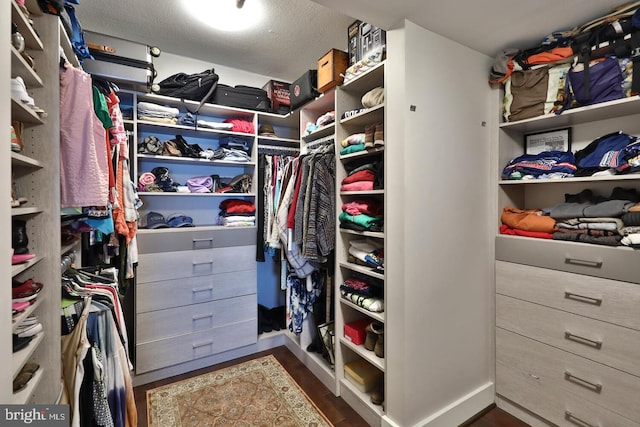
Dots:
pixel 556 406
pixel 607 300
pixel 618 263
pixel 194 238
pixel 175 293
pixel 567 373
pixel 156 325
pixel 172 351
pixel 602 342
pixel 155 267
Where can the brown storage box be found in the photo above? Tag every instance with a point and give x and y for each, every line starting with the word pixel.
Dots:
pixel 362 374
pixel 330 68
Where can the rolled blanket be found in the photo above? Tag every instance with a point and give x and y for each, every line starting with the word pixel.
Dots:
pixel 145 179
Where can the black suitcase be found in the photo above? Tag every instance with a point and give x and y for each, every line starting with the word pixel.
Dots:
pixel 126 63
pixel 304 89
pixel 251 98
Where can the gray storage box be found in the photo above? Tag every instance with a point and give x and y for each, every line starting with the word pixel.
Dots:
pixel 126 63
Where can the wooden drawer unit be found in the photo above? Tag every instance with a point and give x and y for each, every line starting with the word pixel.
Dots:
pixel 607 300
pixel 556 406
pixel 564 373
pixel 602 342
pixel 184 348
pixel 155 267
pixel 193 238
pixel 176 293
pixel 617 263
pixel 156 325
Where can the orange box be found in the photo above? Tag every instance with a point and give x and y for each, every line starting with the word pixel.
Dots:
pixel 330 67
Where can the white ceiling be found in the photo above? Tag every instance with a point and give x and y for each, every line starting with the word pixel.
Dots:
pixel 298 32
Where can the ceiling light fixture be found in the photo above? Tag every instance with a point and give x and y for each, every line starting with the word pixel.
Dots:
pixel 226 15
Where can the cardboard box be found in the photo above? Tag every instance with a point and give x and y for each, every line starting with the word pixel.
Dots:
pixel 370 38
pixel 331 68
pixel 278 93
pixel 362 374
pixel 355 331
pixel 353 40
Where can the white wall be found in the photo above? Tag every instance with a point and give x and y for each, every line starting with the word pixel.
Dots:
pixel 440 231
pixel 167 64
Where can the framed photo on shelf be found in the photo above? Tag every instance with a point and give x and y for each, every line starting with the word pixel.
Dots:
pixel 552 140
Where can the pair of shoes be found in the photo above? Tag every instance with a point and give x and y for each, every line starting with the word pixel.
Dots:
pixel 24 376
pixel 25 291
pixel 19 91
pixel 20 258
pixel 20 342
pixel 19 238
pixel 378 135
pixel 374 340
pixel 369 132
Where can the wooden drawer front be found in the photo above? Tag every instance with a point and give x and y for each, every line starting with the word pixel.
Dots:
pixel 602 299
pixel 184 264
pixel 568 373
pixel 556 406
pixel 193 238
pixel 172 351
pixel 603 342
pixel 618 263
pixel 175 293
pixel 156 325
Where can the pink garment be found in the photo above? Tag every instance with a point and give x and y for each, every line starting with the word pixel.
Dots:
pixel 367 207
pixel 117 131
pixel 357 186
pixel 84 169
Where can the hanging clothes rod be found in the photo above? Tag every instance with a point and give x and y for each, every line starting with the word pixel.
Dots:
pixel 321 141
pixel 67 261
pixel 277 149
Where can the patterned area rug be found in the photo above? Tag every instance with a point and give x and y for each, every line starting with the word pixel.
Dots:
pixel 259 392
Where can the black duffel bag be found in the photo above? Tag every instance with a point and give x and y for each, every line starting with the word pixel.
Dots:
pixel 196 87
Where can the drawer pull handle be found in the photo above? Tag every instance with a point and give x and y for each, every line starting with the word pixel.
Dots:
pixel 583 298
pixel 203 344
pixel 582 340
pixel 207 289
pixel 202 316
pixel 195 264
pixel 583 262
pixel 584 383
pixel 196 241
pixel 575 420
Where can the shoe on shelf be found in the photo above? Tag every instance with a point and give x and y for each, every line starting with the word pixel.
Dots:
pixel 369 135
pixel 25 291
pixel 377 395
pixel 373 331
pixel 20 342
pixel 21 258
pixel 19 91
pixel 15 143
pixel 19 238
pixel 378 135
pixel 24 376
pixel 29 330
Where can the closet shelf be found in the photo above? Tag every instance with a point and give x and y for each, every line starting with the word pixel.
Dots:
pixel 362 193
pixel 21 357
pixel 627 177
pixel 22 397
pixel 190 130
pixel 19 268
pixel 31 39
pixel 365 153
pixel 370 116
pixel 19 67
pixel 322 131
pixel 18 159
pixel 206 110
pixel 369 355
pixel 362 82
pixel 377 316
pixel 364 398
pixel 196 228
pixel 369 271
pixel 170 194
pixel 25 211
pixel 272 139
pixel 193 160
pixel 577 116
pixel 23 113
pixel 375 234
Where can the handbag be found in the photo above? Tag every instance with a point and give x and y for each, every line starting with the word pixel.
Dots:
pixel 196 87
pixel 150 145
pixel 170 148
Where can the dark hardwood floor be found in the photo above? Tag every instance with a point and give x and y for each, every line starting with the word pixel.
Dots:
pixel 339 413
